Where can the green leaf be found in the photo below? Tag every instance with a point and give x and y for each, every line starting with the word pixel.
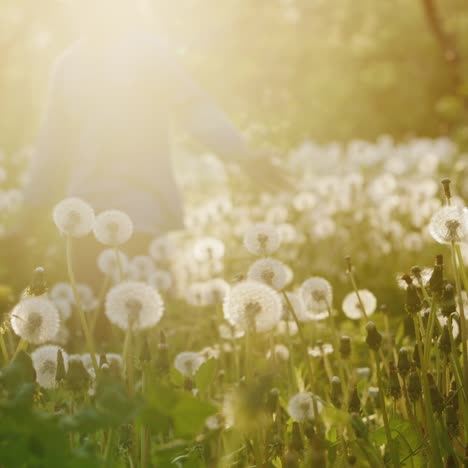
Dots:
pixel 190 415
pixel 205 375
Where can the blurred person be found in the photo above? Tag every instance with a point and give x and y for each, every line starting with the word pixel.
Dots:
pixel 105 135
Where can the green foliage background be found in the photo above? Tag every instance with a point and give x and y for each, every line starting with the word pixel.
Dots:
pixel 285 69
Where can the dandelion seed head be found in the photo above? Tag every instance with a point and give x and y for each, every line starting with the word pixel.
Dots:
pixel 109 265
pixel 352 307
pixel 208 248
pixel 161 280
pixel 44 360
pixel 134 304
pixel 301 406
pixel 449 224
pixel 163 249
pixel 287 327
pixel 62 291
pixel 35 319
pixel 251 304
pixel 230 332
pixel 280 351
pixel 269 271
pixel 188 363
pixel 113 228
pixel 320 350
pixel 140 268
pixel 262 239
pixel 317 295
pixel 74 217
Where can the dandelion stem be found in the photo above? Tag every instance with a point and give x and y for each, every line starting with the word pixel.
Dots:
pixel 22 346
pixel 119 264
pixel 393 454
pixel 84 324
pixel 302 337
pixel 434 443
pixel 3 348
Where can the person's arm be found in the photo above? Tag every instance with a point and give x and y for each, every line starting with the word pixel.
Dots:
pixel 199 114
pixel 48 166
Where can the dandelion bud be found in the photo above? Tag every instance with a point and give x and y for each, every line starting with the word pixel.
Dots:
pixel 393 382
pixel 436 397
pixel 444 340
pixel 451 462
pixel 290 460
pixel 446 185
pixel 452 395
pixel 416 271
pixel 451 418
pixel 38 285
pixel 349 265
pixel 296 439
pixel 354 403
pixel 272 400
pixel 335 394
pixel 413 302
pixel 448 301
pixel 436 281
pixel 78 378
pixel 60 372
pixel 374 338
pixel 416 357
pixel 404 364
pixel 345 347
pixel 414 385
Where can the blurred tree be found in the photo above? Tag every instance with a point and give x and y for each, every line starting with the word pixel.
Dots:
pixel 286 69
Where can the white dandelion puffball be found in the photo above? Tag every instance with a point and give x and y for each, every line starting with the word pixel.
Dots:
pixel 74 217
pixel 86 296
pixel 35 319
pixel 352 307
pixel 269 271
pixel 262 239
pixel 208 248
pixel 317 294
pixel 108 263
pixel 113 227
pixel 163 248
pixel 134 304
pixel 250 303
pixel 44 360
pixel 449 224
pixel 230 332
pixel 320 350
pixel 287 327
pixel 188 363
pixel 301 406
pixel 140 268
pixel 160 280
pixel 64 308
pixel 280 351
pixel 62 291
